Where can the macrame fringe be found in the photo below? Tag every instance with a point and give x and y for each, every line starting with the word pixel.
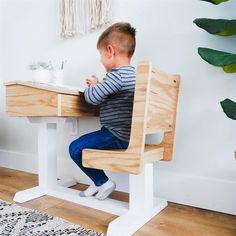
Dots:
pixel 82 16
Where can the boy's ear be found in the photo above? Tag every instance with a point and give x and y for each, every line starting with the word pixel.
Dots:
pixel 111 50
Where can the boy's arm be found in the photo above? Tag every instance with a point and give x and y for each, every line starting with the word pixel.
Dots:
pixel 111 84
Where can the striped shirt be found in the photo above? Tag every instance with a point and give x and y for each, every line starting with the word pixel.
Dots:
pixel 115 95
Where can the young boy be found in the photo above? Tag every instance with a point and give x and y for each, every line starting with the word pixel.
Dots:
pixel 115 95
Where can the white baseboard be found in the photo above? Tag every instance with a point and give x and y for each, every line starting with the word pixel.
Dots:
pixel 19 161
pixel 198 191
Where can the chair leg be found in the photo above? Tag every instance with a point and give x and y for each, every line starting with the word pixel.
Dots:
pixel 142 205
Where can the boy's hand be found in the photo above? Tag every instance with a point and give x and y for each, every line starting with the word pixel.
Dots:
pixel 92 81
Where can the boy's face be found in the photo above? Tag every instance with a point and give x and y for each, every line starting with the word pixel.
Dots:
pixel 107 57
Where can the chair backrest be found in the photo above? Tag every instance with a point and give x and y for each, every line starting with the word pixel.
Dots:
pixel 155 103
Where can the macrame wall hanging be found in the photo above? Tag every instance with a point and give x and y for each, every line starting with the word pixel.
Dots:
pixel 82 16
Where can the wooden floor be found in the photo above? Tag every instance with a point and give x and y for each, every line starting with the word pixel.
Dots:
pixel 175 220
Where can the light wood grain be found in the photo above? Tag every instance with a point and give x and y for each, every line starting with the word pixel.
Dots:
pixel 33 99
pixel 175 220
pixel 163 101
pixel 72 105
pixel 28 101
pixel 154 110
pixel 152 153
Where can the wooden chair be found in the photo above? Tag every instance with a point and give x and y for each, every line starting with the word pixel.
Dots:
pixel 154 111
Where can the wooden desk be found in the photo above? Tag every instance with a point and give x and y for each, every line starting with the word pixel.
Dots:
pixel 46 106
pixel 36 99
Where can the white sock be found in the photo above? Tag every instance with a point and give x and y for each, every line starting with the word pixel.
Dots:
pixel 90 191
pixel 105 190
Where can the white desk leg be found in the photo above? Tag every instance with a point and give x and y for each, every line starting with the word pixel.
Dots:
pixel 47 160
pixel 142 205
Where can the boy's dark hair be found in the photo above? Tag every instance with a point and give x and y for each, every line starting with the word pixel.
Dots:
pixel 122 35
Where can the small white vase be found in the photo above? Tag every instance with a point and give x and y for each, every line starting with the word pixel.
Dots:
pixel 42 76
pixel 58 77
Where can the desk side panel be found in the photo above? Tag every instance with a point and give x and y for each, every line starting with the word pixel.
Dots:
pixel 27 101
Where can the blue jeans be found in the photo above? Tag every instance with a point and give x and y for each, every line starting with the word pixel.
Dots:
pixel 102 139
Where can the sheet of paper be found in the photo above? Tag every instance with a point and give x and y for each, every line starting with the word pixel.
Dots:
pixel 65 86
pixel 71 87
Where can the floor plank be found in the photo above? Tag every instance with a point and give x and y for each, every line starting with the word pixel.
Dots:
pixel 175 220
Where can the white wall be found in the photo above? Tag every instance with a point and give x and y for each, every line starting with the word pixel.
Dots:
pixel 203 172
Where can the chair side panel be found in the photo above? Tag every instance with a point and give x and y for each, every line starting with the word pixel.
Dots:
pixel 140 109
pixel 130 160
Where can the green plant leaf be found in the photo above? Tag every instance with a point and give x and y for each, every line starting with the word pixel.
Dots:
pixel 229 108
pixel 230 68
pixel 218 58
pixel 216 2
pixel 220 27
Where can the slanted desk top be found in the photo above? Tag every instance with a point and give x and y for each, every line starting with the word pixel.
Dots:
pixel 37 99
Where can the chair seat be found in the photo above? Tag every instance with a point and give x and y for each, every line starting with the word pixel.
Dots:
pixel 122 160
pixel 112 160
pixel 152 153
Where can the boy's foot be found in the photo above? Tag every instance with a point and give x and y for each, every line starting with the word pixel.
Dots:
pixel 90 191
pixel 105 190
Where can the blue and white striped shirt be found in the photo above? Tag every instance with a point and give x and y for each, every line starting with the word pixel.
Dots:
pixel 115 95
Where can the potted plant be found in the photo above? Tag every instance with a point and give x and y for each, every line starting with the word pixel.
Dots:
pixel 41 71
pixel 226 60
